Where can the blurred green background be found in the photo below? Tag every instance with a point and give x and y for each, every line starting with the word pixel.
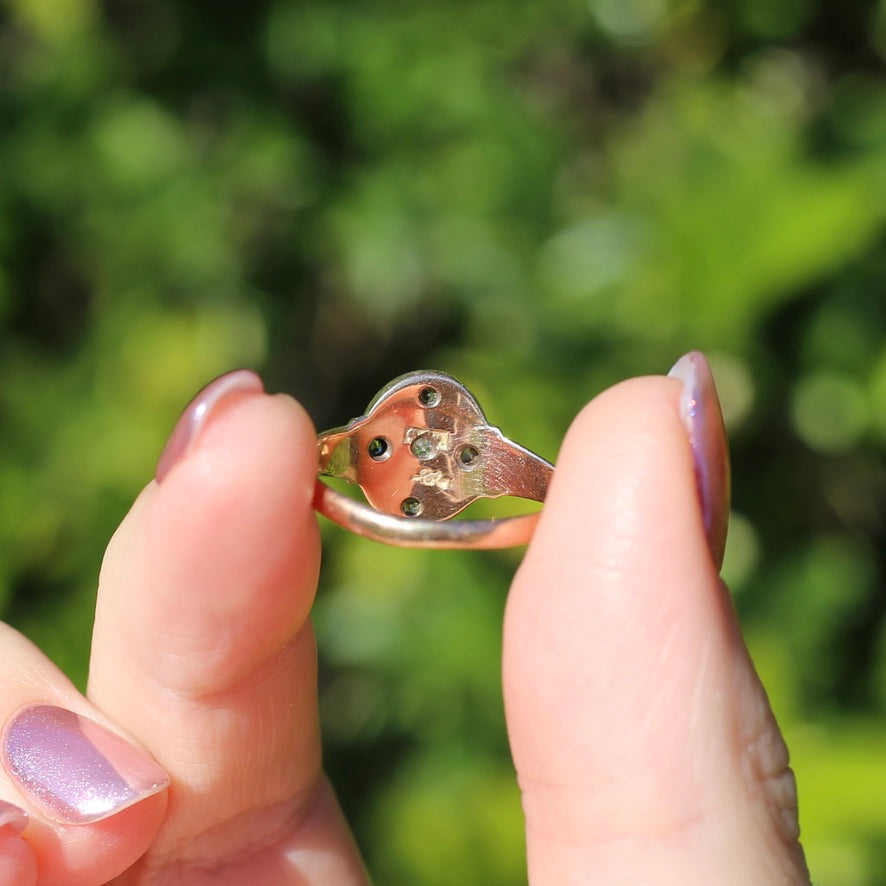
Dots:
pixel 540 198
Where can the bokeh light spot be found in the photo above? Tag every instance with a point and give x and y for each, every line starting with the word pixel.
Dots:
pixel 829 412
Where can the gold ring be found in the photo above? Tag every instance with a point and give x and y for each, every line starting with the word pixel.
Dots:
pixel 421 454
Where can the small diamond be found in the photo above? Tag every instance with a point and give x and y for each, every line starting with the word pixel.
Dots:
pixel 429 396
pixel 411 507
pixel 377 448
pixel 424 447
pixel 468 455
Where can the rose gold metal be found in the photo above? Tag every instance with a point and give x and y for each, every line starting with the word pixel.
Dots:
pixel 421 454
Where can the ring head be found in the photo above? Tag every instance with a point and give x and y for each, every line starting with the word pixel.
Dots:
pixel 421 454
pixel 407 452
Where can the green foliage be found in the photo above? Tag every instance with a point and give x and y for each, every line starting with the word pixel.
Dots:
pixel 539 198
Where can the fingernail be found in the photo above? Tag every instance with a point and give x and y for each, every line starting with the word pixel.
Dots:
pixel 73 769
pixel 11 816
pixel 703 420
pixel 198 412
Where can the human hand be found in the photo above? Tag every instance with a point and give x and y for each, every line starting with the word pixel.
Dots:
pixel 643 742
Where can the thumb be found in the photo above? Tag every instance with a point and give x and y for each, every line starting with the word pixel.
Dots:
pixel 644 743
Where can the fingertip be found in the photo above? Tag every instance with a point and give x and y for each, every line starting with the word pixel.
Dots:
pixel 260 443
pixel 617 602
pixel 200 411
pixel 633 710
pixel 215 568
pixel 83 855
pixel 618 549
pixel 622 496
pixel 86 802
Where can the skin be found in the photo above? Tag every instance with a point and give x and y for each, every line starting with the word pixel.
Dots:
pixel 643 742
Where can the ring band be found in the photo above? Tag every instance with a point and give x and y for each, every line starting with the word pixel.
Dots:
pixel 406 533
pixel 421 454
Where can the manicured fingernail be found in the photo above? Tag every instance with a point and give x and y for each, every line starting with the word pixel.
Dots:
pixel 703 420
pixel 73 769
pixel 198 412
pixel 12 816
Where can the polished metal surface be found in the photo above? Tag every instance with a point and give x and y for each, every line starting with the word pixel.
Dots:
pixel 421 454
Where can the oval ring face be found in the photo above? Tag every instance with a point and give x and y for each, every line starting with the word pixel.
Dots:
pixel 424 449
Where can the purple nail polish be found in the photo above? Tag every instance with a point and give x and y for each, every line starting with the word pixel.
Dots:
pixel 73 769
pixel 11 816
pixel 703 420
pixel 198 411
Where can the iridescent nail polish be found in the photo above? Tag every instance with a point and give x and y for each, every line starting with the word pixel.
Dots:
pixel 703 420
pixel 198 412
pixel 74 770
